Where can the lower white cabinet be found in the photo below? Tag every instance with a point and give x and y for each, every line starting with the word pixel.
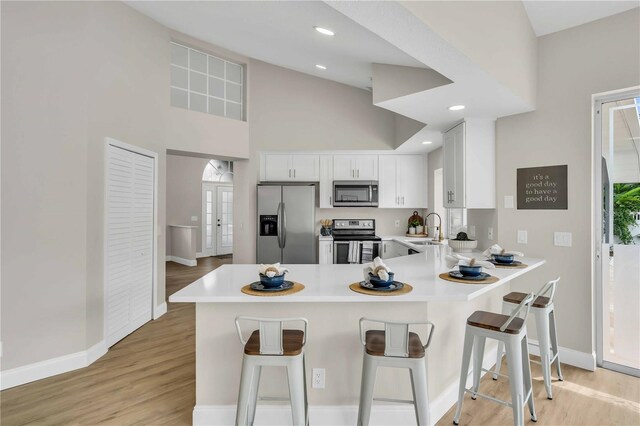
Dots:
pixel 391 249
pixel 325 252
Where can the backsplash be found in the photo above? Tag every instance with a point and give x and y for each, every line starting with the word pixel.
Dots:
pixel 385 218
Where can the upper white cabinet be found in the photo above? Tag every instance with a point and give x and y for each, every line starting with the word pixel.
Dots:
pixel 355 167
pixel 326 182
pixel 291 167
pixel 469 165
pixel 402 182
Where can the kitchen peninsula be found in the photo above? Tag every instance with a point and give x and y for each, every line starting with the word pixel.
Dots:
pixel 333 343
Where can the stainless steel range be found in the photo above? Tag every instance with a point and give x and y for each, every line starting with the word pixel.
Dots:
pixel 355 241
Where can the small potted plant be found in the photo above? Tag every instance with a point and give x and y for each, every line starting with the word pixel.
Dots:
pixel 325 231
pixel 414 225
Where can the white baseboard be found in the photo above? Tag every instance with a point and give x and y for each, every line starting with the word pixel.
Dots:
pixel 338 415
pixel 160 310
pixel 200 255
pixel 51 367
pixel 182 261
pixel 584 360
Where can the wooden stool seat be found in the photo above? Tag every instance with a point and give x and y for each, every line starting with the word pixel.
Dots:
pixel 493 321
pixel 292 343
pixel 517 297
pixel 375 344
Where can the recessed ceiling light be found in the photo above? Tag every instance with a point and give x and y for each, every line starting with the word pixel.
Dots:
pixel 324 31
pixel 427 142
pixel 322 67
pixel 456 107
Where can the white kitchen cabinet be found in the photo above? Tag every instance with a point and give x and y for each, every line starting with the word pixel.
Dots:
pixel 326 182
pixel 391 249
pixel 290 168
pixel 469 165
pixel 402 181
pixel 325 252
pixel 355 167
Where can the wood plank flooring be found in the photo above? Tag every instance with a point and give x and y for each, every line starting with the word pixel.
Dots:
pixel 148 378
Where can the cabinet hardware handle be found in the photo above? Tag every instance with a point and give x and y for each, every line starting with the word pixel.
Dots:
pixel 294 173
pixel 289 172
pixel 358 173
pixel 403 200
pixel 330 203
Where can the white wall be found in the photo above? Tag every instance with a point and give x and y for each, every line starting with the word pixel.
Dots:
pixel 74 73
pixel 573 64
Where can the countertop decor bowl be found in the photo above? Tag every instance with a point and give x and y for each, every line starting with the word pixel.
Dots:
pixel 379 282
pixel 470 271
pixel 271 282
pixel 503 258
pixel 463 246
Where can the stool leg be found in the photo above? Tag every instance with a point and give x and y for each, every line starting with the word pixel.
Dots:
pixel 464 371
pixel 496 370
pixel 295 374
pixel 253 396
pixel 306 399
pixel 369 367
pixel 526 373
pixel 478 356
pixel 514 362
pixel 542 325
pixel 554 342
pixel 244 392
pixel 418 374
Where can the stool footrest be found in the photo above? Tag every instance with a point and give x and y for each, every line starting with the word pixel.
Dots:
pixel 402 401
pixel 272 398
pixel 554 358
pixel 493 372
pixel 481 395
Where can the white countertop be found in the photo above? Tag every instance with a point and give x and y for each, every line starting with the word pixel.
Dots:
pixel 330 283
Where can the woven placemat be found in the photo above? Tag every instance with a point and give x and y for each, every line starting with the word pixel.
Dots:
pixel 251 292
pixel 511 266
pixel 445 276
pixel 404 290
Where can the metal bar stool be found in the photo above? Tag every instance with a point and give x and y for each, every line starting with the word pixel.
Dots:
pixel 271 345
pixel 396 347
pixel 542 309
pixel 512 331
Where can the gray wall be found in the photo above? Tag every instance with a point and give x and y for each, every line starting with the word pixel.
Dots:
pixel 74 73
pixel 573 64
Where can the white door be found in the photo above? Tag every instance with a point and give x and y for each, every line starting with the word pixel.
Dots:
pixel 208 219
pixel 224 220
pixel 129 249
pixel 387 186
pixel 343 168
pixel 326 182
pixel 410 183
pixel 366 167
pixel 306 168
pixel 453 159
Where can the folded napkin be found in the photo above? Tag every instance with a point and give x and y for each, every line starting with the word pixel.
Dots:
pixel 496 249
pixel 272 270
pixel 377 267
pixel 456 259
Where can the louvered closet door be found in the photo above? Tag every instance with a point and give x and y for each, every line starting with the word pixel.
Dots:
pixel 129 242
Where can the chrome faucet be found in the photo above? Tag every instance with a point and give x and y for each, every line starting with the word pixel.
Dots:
pixel 440 236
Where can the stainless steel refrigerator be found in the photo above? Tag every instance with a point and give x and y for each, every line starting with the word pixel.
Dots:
pixel 286 224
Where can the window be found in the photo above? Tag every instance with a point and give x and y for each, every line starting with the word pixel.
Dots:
pixel 218 171
pixel 456 221
pixel 205 83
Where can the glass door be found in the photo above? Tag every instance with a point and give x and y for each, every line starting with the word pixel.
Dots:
pixel 208 218
pixel 618 289
pixel 224 219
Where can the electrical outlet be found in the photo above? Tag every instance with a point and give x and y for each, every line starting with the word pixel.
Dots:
pixel 317 378
pixel 522 237
pixel 472 230
pixel 397 223
pixel 490 234
pixel 194 218
pixel 562 239
pixel 508 201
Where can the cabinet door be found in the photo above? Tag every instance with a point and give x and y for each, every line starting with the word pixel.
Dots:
pixel 387 193
pixel 277 167
pixel 366 167
pixel 305 168
pixel 454 163
pixel 409 177
pixel 326 181
pixel 343 168
pixel 325 253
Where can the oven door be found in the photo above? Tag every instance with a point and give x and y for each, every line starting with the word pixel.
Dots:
pixel 341 251
pixel 355 193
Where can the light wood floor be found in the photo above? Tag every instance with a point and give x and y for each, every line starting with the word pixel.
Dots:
pixel 148 378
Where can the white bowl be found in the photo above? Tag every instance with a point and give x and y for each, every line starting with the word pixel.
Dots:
pixel 463 246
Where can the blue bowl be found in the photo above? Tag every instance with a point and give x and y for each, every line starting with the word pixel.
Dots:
pixel 275 281
pixel 503 258
pixel 379 282
pixel 470 271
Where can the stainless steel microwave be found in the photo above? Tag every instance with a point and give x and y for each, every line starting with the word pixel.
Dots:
pixel 358 193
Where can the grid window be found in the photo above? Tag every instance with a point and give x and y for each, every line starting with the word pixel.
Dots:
pixel 205 83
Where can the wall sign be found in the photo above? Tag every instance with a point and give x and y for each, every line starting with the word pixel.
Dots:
pixel 542 188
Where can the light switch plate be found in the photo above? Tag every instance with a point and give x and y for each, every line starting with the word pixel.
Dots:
pixel 472 230
pixel 397 223
pixel 562 239
pixel 194 218
pixel 522 237
pixel 508 201
pixel 490 234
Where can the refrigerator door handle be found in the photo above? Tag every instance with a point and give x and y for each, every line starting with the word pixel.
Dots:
pixel 284 226
pixel 280 226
